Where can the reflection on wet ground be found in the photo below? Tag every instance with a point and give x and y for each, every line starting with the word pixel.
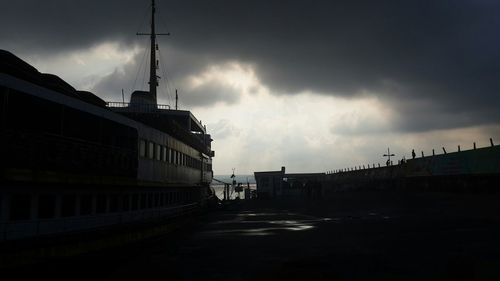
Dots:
pixel 264 223
pixel 269 223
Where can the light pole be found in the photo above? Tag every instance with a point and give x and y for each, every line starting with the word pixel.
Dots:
pixel 388 155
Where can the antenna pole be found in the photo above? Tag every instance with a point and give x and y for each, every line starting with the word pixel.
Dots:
pixel 388 155
pixel 153 80
pixel 176 99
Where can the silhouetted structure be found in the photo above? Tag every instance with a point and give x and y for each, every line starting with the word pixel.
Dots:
pixel 278 184
pixel 72 163
pixel 474 170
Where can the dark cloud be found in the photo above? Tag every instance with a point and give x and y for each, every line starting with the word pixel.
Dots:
pixel 442 55
pixel 174 75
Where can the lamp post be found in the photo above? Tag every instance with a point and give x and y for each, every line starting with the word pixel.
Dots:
pixel 388 155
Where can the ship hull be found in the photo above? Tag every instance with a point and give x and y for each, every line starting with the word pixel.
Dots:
pixel 70 165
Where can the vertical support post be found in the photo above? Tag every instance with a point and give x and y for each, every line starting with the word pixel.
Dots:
pixel 433 153
pixel 458 148
pixel 4 207
pixel 491 142
pixel 58 206
pixel 176 99
pixel 474 145
pixel 444 150
pixel 34 207
pixel 422 154
pixel 78 204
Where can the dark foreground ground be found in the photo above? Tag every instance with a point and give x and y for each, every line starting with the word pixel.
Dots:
pixel 355 236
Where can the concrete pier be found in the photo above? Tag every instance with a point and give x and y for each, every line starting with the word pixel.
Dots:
pixel 353 236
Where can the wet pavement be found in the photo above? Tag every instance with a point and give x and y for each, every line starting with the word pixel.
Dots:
pixel 361 236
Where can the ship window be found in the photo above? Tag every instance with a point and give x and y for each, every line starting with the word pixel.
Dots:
pixel 135 202
pixel 116 134
pixel 20 207
pixel 113 203
pixel 3 102
pixel 80 125
pixel 86 204
pixel 68 206
pixel 126 202
pixel 157 199
pixel 150 200
pixel 151 150
pixel 158 152
pixel 142 148
pixel 46 206
pixel 171 159
pixel 100 204
pixel 143 201
pixel 163 154
pixel 162 199
pixel 48 114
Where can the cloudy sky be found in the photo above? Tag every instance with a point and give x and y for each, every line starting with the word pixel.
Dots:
pixel 310 85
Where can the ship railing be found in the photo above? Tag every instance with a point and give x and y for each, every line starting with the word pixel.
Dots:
pixel 138 107
pixel 34 228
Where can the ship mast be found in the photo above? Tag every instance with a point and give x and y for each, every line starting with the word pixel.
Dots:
pixel 153 78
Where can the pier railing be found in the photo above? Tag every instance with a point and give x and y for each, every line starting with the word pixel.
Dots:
pixel 34 228
pixel 404 160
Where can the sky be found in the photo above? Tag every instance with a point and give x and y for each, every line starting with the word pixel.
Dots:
pixel 311 85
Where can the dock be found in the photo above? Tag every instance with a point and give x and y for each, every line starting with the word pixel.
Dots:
pixel 353 236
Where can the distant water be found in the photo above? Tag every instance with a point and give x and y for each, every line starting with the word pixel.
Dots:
pixel 219 191
pixel 243 179
pixel 239 178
